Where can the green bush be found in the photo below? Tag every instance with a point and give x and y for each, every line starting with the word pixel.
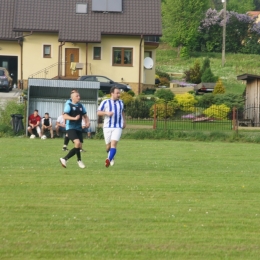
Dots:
pixel 126 97
pixel 137 109
pixel 208 76
pixel 149 91
pixel 164 82
pixel 231 100
pixel 194 73
pixel 163 111
pixel 206 100
pixel 165 94
pixel 131 92
pixel 184 53
pixel 217 111
pixel 11 107
pixel 162 74
pixel 100 93
pixel 219 88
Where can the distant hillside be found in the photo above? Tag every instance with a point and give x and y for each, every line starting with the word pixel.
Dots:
pixel 236 64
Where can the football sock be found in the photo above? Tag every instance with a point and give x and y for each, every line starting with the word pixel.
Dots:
pixel 78 154
pixel 111 154
pixel 66 140
pixel 71 153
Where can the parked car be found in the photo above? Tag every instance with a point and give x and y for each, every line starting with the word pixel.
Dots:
pixel 204 88
pixel 105 83
pixel 6 82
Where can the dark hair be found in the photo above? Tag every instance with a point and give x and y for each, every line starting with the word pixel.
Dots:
pixel 46 113
pixel 35 110
pixel 113 88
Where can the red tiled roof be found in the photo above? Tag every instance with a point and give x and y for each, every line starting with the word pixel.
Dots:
pixel 139 17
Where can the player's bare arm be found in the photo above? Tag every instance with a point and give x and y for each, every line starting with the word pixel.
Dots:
pixel 67 117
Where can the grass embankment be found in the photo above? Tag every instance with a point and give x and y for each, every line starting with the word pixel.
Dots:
pixel 162 200
pixel 236 64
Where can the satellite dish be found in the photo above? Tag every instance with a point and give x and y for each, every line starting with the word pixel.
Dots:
pixel 148 63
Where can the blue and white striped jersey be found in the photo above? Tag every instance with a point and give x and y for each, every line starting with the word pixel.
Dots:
pixel 116 106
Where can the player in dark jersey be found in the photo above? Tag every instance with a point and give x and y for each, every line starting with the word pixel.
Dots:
pixel 74 111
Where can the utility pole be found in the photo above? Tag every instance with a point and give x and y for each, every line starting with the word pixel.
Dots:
pixel 224 32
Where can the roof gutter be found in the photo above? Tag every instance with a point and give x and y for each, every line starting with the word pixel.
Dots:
pixel 140 67
pixel 20 42
pixel 60 60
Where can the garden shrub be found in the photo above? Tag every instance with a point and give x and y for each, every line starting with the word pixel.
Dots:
pixel 217 111
pixel 163 110
pixel 11 107
pixel 231 100
pixel 149 91
pixel 193 75
pixel 137 109
pixel 101 93
pixel 161 74
pixel 208 76
pixel 131 92
pixel 184 53
pixel 127 98
pixel 219 88
pixel 165 94
pixel 186 101
pixel 164 82
pixel 206 100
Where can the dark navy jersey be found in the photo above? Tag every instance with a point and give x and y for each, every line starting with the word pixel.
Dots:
pixel 73 110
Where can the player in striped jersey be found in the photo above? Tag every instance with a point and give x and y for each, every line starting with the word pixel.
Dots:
pixel 114 121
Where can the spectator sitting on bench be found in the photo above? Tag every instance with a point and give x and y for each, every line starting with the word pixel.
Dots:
pixel 85 129
pixel 60 125
pixel 47 124
pixel 34 123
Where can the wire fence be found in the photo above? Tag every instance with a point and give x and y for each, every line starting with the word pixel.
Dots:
pixel 186 117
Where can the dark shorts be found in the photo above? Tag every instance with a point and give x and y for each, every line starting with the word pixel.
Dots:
pixel 75 134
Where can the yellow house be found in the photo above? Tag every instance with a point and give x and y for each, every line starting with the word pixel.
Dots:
pixel 67 39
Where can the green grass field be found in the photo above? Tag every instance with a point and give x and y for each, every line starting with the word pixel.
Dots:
pixel 161 200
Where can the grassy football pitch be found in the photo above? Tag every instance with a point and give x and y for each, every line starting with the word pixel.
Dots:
pixel 161 200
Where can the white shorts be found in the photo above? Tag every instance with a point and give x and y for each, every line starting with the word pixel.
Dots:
pixel 112 134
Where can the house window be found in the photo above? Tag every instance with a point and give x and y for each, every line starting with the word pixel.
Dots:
pixel 97 53
pixel 46 51
pixel 122 57
pixel 81 8
pixel 147 54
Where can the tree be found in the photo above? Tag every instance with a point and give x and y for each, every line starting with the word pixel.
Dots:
pixel 180 20
pixel 241 7
pixel 208 76
pixel 219 88
pixel 241 30
pixel 194 73
pixel 257 5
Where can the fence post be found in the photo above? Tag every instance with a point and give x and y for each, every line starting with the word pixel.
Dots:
pixel 234 119
pixel 154 117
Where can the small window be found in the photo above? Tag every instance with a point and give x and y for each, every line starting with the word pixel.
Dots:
pixel 46 51
pixel 81 8
pixel 97 53
pixel 122 57
pixel 147 54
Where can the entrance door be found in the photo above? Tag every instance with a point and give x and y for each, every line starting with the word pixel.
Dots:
pixel 71 57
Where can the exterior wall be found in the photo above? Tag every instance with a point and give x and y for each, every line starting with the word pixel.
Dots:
pixel 33 60
pixel 104 66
